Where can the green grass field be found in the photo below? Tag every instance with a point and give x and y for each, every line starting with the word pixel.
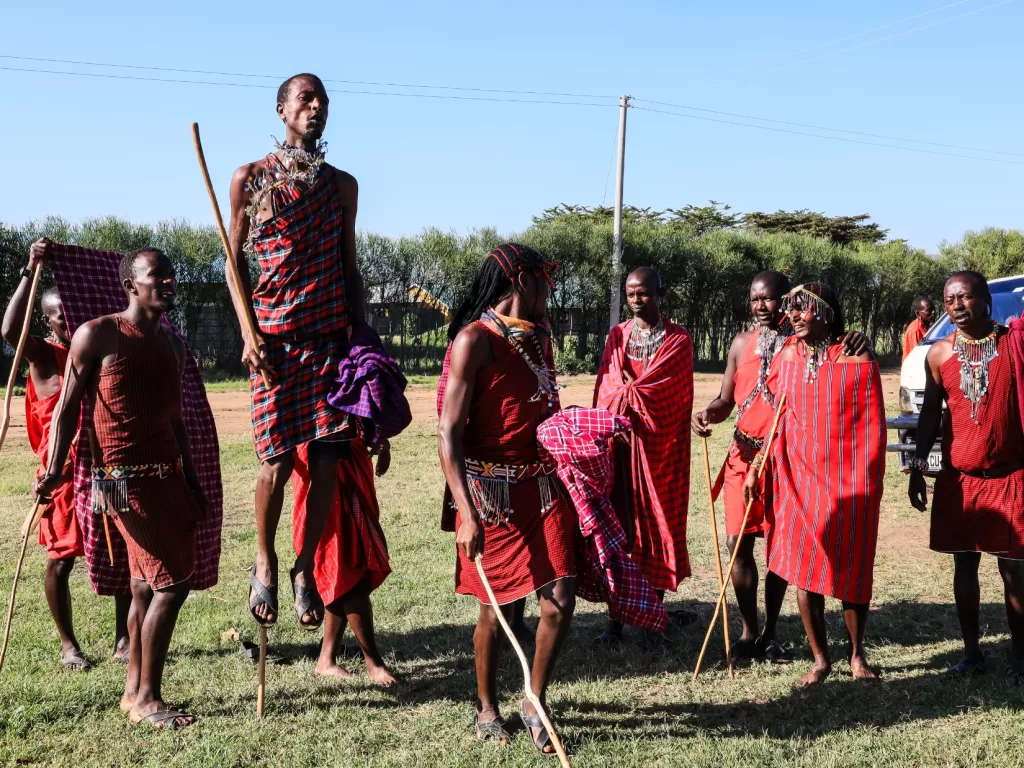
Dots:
pixel 614 708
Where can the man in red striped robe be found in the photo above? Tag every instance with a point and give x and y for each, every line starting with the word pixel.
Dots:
pixel 646 374
pixel 828 460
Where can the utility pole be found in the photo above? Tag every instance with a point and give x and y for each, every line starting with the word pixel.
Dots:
pixel 617 231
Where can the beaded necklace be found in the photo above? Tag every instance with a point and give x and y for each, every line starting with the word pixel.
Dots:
pixel 974 356
pixel 815 355
pixel 643 343
pixel 515 331
pixel 769 343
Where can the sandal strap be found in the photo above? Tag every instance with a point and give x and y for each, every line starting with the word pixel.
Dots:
pixel 264 593
pixel 161 717
pixel 491 729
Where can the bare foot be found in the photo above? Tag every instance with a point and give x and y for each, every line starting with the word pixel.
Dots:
pixel 127 702
pixel 166 716
pixel 330 669
pixel 121 649
pixel 860 669
pixel 817 675
pixel 381 675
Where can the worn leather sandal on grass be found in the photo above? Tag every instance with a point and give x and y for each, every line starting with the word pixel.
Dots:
pixel 76 662
pixel 534 721
pixel 307 600
pixel 165 718
pixel 773 651
pixel 968 668
pixel 262 594
pixel 491 730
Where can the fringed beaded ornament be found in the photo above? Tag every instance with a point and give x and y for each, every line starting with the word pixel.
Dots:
pixel 974 356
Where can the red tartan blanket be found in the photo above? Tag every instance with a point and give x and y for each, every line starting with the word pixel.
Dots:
pixel 89 288
pixel 658 403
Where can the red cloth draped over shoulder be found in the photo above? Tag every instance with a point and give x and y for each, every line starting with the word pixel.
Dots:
pixel 829 463
pixel 59 531
pixel 659 403
pixel 353 546
pixel 913 335
pixel 533 548
pixel 981 514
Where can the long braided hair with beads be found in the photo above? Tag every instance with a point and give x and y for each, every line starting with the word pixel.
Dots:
pixel 495 280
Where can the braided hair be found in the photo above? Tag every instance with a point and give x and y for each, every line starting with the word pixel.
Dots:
pixel 495 280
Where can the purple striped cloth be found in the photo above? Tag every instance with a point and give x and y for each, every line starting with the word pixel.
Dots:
pixel 89 288
pixel 371 385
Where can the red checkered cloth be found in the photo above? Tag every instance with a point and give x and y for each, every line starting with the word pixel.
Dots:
pixel 89 288
pixel 578 441
pixel 658 403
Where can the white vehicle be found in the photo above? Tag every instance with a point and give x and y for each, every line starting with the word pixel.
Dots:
pixel 1008 300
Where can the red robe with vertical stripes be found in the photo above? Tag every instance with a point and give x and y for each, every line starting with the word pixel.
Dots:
pixel 659 403
pixel 829 464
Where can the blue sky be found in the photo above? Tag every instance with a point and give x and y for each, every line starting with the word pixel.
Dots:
pixel 83 146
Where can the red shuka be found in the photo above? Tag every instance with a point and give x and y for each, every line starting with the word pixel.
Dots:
pixel 533 548
pixel 59 531
pixel 829 465
pixel 755 421
pixel 972 513
pixel 137 398
pixel 352 547
pixel 658 403
pixel 913 335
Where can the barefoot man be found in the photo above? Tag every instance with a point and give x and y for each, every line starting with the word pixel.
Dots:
pixel 828 463
pixel 59 531
pixel 130 367
pixel 296 214
pixel 977 504
pixel 646 375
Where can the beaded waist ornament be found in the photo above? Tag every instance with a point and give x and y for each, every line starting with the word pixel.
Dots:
pixel 110 483
pixel 490 481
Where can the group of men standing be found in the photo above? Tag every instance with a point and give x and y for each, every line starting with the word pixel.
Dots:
pixel 816 503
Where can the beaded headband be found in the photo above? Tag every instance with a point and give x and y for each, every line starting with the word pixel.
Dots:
pixel 802 296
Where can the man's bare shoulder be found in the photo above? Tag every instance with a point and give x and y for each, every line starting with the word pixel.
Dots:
pixel 98 335
pixel 345 181
pixel 245 173
pixel 941 350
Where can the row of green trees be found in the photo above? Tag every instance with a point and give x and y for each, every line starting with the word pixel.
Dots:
pixel 707 258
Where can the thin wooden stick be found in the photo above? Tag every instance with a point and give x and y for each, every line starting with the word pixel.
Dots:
pixel 17 575
pixel 19 350
pixel 97 461
pixel 534 699
pixel 261 677
pixel 249 323
pixel 739 539
pixel 718 556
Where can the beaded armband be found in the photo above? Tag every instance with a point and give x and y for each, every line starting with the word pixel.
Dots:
pixel 758 461
pixel 918 465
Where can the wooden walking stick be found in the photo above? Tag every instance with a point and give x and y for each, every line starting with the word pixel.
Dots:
pixel 718 557
pixel 261 674
pixel 250 326
pixel 534 699
pixel 739 539
pixel 27 528
pixel 97 461
pixel 19 350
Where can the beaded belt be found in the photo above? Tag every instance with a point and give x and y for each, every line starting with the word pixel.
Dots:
pixel 748 444
pixel 489 483
pixel 109 483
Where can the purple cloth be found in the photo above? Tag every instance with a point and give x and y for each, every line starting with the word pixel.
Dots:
pixel 370 385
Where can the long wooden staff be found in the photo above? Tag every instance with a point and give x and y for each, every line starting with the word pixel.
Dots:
pixel 97 461
pixel 261 675
pixel 27 528
pixel 19 350
pixel 534 699
pixel 250 326
pixel 718 557
pixel 739 539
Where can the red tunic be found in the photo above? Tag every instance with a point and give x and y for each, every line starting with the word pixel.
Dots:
pixel 913 335
pixel 352 547
pixel 137 398
pixel 659 404
pixel 59 531
pixel 971 513
pixel 534 547
pixel 829 465
pixel 755 421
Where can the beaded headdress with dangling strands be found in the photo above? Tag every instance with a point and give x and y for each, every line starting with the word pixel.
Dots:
pixel 974 356
pixel 803 297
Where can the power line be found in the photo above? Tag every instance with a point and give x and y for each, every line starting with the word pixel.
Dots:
pixel 836 130
pixel 865 45
pixel 283 77
pixel 844 39
pixel 274 87
pixel 831 138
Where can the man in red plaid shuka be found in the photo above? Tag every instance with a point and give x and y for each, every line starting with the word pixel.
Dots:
pixel 296 215
pixel 646 374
